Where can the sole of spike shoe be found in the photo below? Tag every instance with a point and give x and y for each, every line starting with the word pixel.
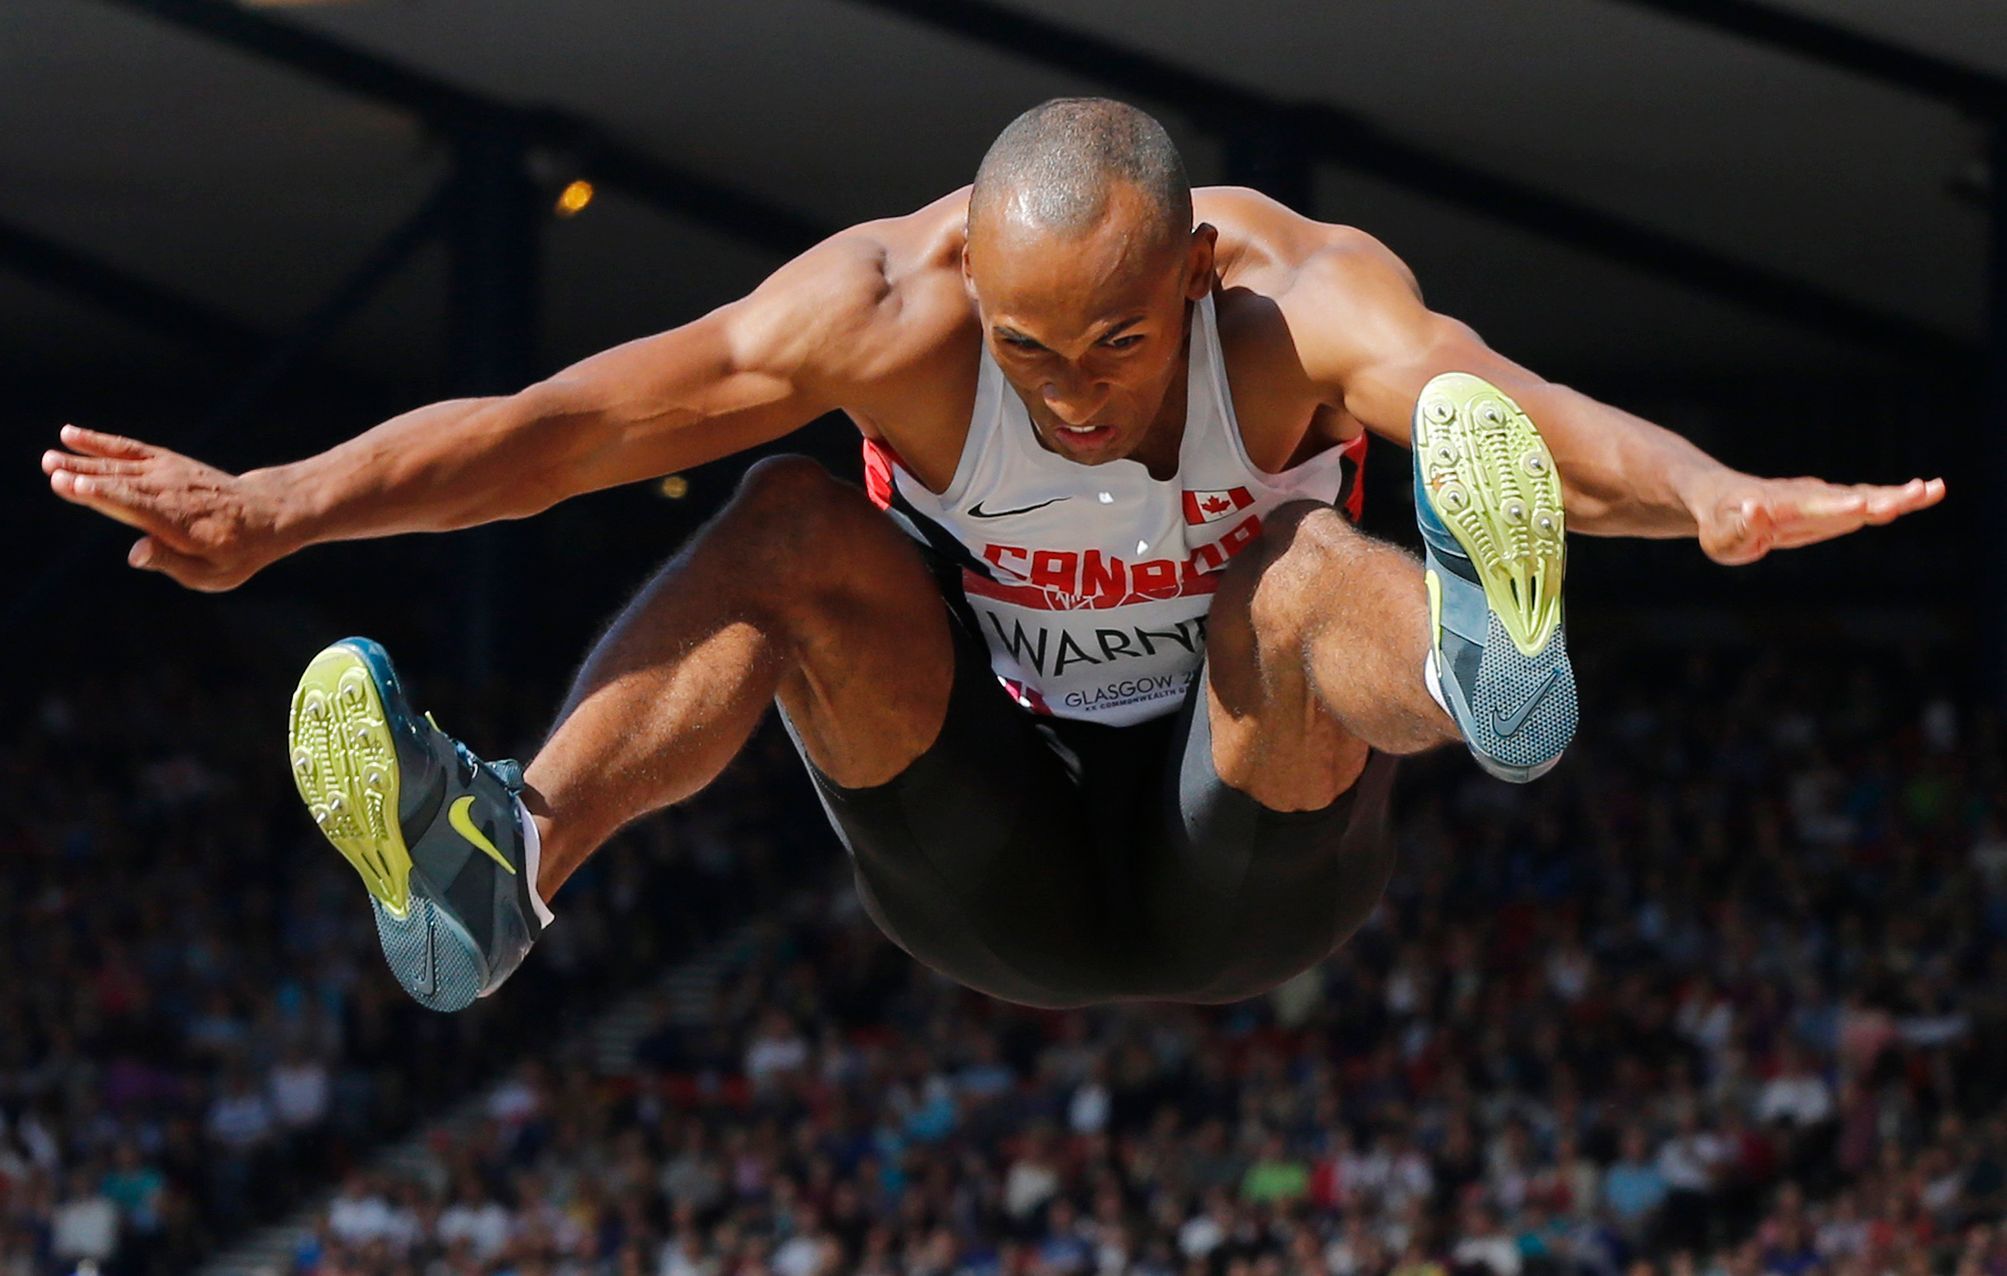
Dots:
pixel 1491 481
pixel 345 767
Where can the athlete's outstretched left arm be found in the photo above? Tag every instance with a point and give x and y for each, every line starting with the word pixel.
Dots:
pixel 1365 333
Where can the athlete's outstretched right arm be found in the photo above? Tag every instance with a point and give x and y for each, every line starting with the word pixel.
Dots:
pixel 741 375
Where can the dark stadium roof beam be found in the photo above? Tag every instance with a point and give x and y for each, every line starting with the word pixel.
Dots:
pixel 298 348
pixel 141 302
pixel 1978 93
pixel 678 191
pixel 450 108
pixel 1341 137
pixel 277 361
pixel 1921 73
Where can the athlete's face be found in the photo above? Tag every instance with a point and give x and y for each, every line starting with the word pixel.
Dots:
pixel 1089 328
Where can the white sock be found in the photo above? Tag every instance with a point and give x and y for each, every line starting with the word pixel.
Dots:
pixel 533 854
pixel 1432 679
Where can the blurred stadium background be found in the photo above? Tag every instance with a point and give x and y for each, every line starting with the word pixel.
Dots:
pixel 1723 995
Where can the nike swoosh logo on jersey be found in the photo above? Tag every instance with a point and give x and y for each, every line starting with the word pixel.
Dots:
pixel 1507 723
pixel 977 510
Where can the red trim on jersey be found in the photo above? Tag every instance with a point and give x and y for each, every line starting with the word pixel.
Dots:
pixel 879 462
pixel 1025 696
pixel 1039 598
pixel 1355 500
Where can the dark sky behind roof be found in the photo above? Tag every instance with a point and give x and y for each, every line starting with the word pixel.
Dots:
pixel 254 190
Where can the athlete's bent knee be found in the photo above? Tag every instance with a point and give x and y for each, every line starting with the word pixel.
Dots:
pixel 809 543
pixel 1311 532
pixel 1286 574
pixel 790 484
pixel 789 512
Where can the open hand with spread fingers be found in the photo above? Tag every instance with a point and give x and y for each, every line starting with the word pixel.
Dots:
pixel 207 529
pixel 1742 518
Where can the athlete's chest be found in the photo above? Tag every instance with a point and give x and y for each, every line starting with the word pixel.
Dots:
pixel 1279 420
pixel 1092 583
pixel 1034 517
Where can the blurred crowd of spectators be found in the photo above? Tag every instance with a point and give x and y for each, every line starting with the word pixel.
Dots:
pixel 196 1025
pixel 1725 994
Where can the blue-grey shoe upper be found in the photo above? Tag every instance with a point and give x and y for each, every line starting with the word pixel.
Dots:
pixel 1517 712
pixel 491 903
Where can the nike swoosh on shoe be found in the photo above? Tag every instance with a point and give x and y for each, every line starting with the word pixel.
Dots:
pixel 1509 723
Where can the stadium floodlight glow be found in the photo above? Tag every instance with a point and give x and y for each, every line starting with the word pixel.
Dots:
pixel 571 201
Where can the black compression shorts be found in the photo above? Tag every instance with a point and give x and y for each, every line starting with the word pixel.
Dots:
pixel 1058 863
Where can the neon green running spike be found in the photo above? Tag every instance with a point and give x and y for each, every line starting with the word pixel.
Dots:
pixel 345 766
pixel 1488 506
pixel 1493 484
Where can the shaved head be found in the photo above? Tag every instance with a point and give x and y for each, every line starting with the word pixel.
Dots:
pixel 1054 168
pixel 1083 264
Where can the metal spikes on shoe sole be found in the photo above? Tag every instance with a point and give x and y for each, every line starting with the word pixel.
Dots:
pixel 345 766
pixel 1492 482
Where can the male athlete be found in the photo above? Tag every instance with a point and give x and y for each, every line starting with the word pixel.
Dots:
pixel 1096 680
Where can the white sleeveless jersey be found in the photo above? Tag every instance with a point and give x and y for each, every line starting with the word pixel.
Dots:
pixel 1091 583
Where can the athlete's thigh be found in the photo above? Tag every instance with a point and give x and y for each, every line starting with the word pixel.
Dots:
pixel 1271 738
pixel 978 857
pixel 870 661
pixel 1240 896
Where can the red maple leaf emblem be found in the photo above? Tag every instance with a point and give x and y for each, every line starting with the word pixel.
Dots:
pixel 1216 505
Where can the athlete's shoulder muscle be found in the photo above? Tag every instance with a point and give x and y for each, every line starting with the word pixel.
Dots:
pixel 1358 328
pixel 1260 239
pixel 858 312
pixel 1270 248
pixel 827 330
pixel 1346 325
pixel 1349 303
pixel 1334 294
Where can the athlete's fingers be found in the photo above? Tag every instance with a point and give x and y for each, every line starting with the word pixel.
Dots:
pixel 98 443
pixel 53 460
pixel 1807 515
pixel 1812 534
pixel 1835 513
pixel 1884 504
pixel 1888 503
pixel 114 497
pixel 1789 513
pixel 1817 502
pixel 148 554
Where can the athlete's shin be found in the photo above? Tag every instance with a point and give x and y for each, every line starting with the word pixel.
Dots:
pixel 662 704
